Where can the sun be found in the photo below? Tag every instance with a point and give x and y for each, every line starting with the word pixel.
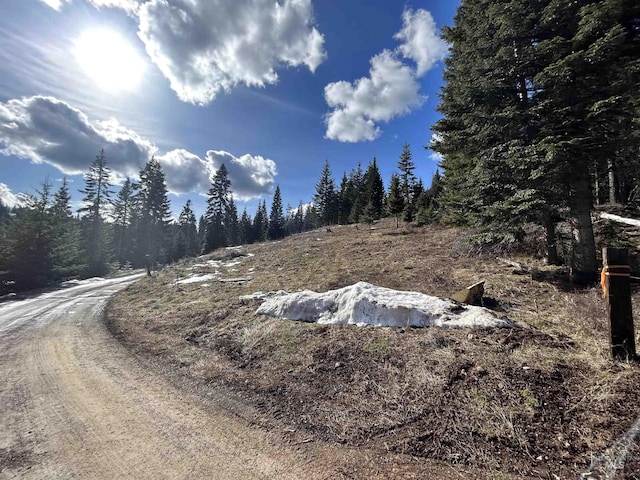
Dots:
pixel 107 58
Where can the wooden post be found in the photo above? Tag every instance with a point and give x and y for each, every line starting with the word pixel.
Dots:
pixel 617 292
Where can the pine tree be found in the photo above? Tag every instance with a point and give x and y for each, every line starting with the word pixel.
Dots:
pixel 495 176
pixel 325 198
pixel 154 213
pixel 395 200
pixel 588 100
pixel 95 233
pixel 188 233
pixel 276 217
pixel 374 189
pixel 96 191
pixel 122 215
pixel 260 223
pixel 66 252
pixel 62 201
pixel 407 179
pixel 246 228
pixel 369 215
pixel 357 193
pixel 202 228
pixel 345 200
pixel 217 209
pixel 231 223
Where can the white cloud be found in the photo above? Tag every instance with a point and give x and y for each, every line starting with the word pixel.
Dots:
pixel 55 4
pixel 421 42
pixel 207 46
pixel 390 90
pixel 392 87
pixel 47 130
pixel 185 172
pixel 10 199
pixel 130 6
pixel 251 175
pixel 433 155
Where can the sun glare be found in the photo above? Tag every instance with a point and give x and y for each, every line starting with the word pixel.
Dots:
pixel 109 60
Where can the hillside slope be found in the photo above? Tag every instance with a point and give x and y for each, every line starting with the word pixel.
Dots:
pixel 541 400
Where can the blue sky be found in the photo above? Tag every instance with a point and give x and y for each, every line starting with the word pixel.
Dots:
pixel 270 89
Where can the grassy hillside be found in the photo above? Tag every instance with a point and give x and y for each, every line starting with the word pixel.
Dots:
pixel 540 400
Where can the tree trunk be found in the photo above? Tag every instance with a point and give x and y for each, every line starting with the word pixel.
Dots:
pixel 584 264
pixel 596 182
pixel 612 180
pixel 550 228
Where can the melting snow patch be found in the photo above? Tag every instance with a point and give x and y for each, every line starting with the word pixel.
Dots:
pixel 365 304
pixel 197 278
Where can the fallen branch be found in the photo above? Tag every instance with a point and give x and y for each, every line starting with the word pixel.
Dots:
pixel 619 219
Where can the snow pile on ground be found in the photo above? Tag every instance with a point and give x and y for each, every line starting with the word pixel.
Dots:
pixel 198 278
pixel 365 304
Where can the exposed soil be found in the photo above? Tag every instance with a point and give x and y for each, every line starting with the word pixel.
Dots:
pixel 538 401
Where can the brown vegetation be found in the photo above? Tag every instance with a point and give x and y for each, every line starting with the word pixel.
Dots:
pixel 540 400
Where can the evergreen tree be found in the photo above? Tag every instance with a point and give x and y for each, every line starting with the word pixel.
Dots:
pixel 154 212
pixel 344 200
pixel 246 228
pixel 374 190
pixel 96 191
pixel 66 251
pixel 260 223
pixel 217 209
pixel 95 198
pixel 357 194
pixel 202 228
pixel 231 223
pixel 276 217
pixel 587 98
pixel 62 201
pixel 369 215
pixel 495 176
pixel 188 233
pixel 407 179
pixel 395 200
pixel 122 215
pixel 325 198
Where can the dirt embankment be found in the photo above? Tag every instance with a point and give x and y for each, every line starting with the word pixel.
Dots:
pixel 537 401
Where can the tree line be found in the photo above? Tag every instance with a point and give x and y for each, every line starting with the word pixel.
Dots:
pixel 44 241
pixel 540 119
pixel 362 198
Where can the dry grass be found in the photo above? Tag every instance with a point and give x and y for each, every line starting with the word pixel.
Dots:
pixel 540 400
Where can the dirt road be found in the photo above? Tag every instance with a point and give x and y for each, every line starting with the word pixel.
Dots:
pixel 75 404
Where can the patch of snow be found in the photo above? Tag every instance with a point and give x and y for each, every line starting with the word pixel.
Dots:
pixel 365 304
pixel 197 278
pixel 238 247
pixel 205 285
pixel 75 283
pixel 262 296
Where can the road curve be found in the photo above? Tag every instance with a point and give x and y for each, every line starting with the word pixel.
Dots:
pixel 75 404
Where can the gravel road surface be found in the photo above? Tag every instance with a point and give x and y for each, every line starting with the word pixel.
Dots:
pixel 75 404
